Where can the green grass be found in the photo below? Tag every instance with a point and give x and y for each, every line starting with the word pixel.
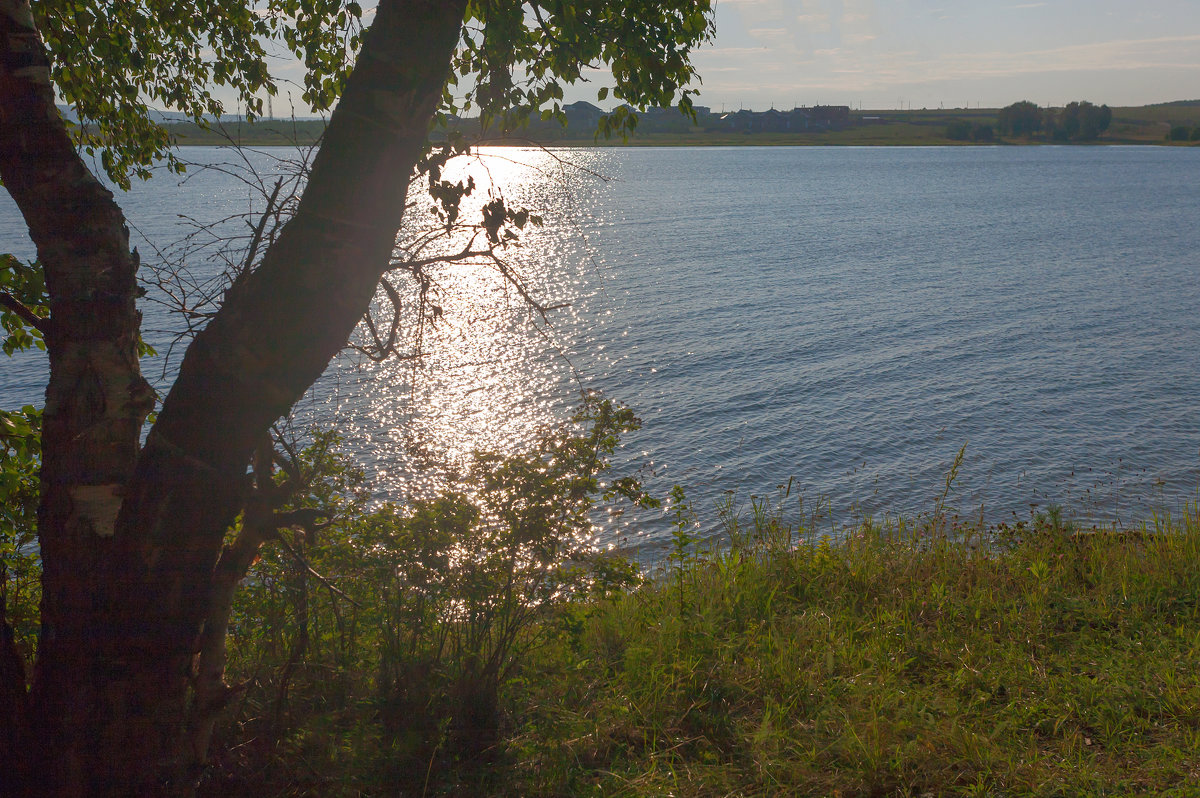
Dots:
pixel 901 660
pixel 925 657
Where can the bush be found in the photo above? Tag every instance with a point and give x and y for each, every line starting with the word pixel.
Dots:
pixel 20 564
pixel 983 133
pixel 1079 121
pixel 958 130
pixel 962 130
pixel 382 647
pixel 1020 119
pixel 1179 133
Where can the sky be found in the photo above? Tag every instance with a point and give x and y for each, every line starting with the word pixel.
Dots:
pixel 884 54
pixel 943 53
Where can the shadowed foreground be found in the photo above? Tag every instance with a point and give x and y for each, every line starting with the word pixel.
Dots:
pixel 918 658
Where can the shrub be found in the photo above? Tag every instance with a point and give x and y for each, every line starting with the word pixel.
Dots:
pixel 958 130
pixel 1020 119
pixel 382 646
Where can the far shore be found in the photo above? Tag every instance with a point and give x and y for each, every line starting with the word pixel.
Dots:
pixel 259 138
pixel 1145 125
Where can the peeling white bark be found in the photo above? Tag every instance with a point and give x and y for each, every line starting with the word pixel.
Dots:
pixel 97 507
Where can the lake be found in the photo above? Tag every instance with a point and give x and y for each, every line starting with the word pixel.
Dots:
pixel 844 318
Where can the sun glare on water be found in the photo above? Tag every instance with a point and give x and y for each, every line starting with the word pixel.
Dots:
pixel 480 369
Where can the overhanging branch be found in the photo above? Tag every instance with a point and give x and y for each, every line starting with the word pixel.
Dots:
pixel 26 314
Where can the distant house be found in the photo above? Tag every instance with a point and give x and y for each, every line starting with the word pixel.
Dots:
pixel 797 120
pixel 773 121
pixel 830 117
pixel 742 121
pixel 582 115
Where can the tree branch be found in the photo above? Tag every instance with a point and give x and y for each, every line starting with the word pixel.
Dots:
pixel 210 693
pixel 303 563
pixel 257 237
pixel 21 309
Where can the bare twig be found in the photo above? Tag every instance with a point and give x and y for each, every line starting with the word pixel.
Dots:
pixel 257 237
pixel 303 563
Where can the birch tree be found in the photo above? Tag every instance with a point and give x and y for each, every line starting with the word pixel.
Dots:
pixel 130 534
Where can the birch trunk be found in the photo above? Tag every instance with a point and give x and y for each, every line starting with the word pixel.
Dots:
pixel 130 541
pixel 96 399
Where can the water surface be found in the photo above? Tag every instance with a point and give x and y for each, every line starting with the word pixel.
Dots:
pixel 847 317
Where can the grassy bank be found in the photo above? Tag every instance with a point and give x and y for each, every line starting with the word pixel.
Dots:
pixel 905 659
pixel 476 644
pixel 894 662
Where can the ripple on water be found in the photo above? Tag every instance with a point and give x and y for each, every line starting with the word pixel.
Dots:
pixel 848 317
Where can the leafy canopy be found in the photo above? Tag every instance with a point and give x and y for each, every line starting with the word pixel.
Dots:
pixel 521 54
pixel 21 287
pixel 113 61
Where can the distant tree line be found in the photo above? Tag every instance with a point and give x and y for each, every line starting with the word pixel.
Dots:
pixel 963 130
pixel 1078 121
pixel 1183 133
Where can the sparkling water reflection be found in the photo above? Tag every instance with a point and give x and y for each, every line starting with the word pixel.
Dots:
pixel 491 371
pixel 847 317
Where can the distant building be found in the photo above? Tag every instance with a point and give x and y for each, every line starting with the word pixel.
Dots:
pixel 582 115
pixel 797 120
pixel 830 117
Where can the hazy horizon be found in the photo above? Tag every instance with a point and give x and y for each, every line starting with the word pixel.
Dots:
pixel 929 53
pixel 923 54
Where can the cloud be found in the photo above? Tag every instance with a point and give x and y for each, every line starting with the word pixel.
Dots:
pixel 1164 52
pixel 732 52
pixel 848 70
pixel 821 49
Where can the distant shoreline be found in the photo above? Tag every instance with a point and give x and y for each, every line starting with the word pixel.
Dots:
pixel 1142 125
pixel 677 141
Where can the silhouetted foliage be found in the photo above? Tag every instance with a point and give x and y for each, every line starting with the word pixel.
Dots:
pixel 983 133
pixel 1020 119
pixel 958 130
pixel 1077 121
pixel 963 130
pixel 1081 121
pixel 132 524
